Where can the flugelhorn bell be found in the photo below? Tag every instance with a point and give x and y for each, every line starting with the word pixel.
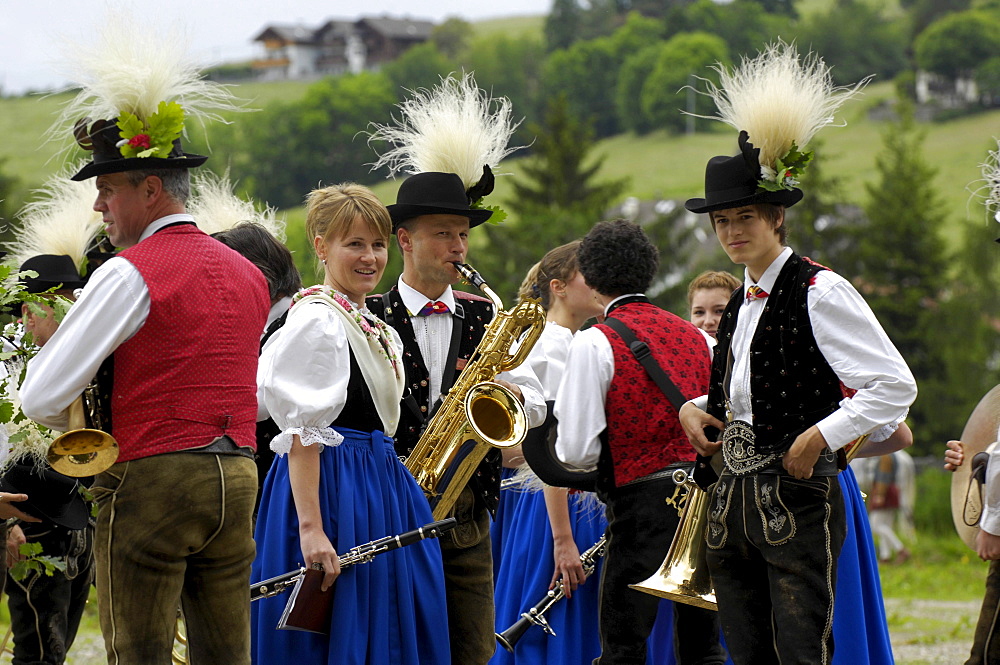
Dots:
pixel 683 576
pixel 966 490
pixel 81 451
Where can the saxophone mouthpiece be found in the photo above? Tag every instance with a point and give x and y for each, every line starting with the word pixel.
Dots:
pixel 469 274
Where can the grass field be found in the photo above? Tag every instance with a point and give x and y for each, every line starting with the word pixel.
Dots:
pixel 658 165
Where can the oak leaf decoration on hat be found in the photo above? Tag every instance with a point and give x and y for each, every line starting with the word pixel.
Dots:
pixel 454 127
pixel 778 101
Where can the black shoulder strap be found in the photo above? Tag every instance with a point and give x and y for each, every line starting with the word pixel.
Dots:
pixel 704 475
pixel 273 328
pixel 387 313
pixel 645 357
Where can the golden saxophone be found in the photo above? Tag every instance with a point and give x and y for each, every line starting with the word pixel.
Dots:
pixel 477 413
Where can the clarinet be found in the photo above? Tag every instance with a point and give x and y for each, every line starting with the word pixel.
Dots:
pixel 536 615
pixel 355 556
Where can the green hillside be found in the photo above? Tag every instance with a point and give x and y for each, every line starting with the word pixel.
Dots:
pixel 658 165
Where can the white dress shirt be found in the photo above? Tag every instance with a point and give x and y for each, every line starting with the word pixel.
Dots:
pixel 590 366
pixel 110 310
pixel 305 369
pixel 433 335
pixel 854 345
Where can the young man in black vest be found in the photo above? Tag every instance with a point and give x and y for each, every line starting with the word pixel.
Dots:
pixel 440 328
pixel 611 414
pixel 789 343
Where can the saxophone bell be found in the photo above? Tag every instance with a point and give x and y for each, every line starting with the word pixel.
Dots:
pixel 477 413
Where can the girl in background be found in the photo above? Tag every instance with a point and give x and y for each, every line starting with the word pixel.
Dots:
pixel 547 530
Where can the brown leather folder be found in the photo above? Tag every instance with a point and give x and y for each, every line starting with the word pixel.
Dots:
pixel 308 608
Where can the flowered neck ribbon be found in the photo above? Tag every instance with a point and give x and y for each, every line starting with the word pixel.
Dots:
pixel 375 329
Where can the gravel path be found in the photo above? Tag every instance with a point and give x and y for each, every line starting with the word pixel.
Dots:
pixel 931 632
pixel 924 632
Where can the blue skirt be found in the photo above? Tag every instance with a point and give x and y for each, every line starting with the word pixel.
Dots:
pixel 860 634
pixel 383 611
pixel 504 520
pixel 525 570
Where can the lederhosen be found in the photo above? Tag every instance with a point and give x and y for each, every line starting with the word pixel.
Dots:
pixel 773 540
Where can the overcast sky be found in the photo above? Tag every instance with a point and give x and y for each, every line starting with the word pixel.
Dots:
pixel 221 30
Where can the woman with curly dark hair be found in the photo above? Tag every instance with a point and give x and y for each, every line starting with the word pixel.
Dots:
pixel 605 394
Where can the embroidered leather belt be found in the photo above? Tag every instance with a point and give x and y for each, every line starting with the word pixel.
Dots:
pixel 740 453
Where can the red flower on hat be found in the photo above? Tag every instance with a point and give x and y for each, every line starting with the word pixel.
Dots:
pixel 139 141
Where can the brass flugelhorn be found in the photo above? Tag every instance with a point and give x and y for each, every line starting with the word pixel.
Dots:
pixel 83 450
pixel 683 576
pixel 536 615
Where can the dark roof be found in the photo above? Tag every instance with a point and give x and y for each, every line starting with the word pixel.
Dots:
pixel 294 34
pixel 397 28
pixel 339 27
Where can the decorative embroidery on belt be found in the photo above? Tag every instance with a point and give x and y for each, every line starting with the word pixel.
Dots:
pixel 716 532
pixel 739 449
pixel 778 521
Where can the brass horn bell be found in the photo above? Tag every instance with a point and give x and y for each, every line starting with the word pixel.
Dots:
pixel 82 452
pixel 683 576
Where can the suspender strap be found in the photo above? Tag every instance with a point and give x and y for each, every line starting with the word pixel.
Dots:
pixel 704 474
pixel 645 357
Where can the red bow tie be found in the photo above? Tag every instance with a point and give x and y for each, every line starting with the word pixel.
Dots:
pixel 436 307
pixel 755 292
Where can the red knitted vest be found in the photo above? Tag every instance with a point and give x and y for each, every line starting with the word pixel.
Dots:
pixel 644 433
pixel 189 374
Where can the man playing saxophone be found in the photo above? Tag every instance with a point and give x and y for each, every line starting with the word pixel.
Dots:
pixel 440 329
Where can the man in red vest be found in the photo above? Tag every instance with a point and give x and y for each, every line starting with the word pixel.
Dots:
pixel 613 416
pixel 180 316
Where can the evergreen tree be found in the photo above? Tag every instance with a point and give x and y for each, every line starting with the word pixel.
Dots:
pixel 562 25
pixel 820 226
pixel 902 270
pixel 557 200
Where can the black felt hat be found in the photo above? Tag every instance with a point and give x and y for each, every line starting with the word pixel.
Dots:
pixel 53 270
pixel 731 182
pixel 433 193
pixel 103 137
pixel 51 496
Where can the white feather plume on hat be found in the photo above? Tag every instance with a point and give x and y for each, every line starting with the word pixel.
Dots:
pixel 61 220
pixel 988 188
pixel 216 208
pixel 455 127
pixel 129 65
pixel 779 99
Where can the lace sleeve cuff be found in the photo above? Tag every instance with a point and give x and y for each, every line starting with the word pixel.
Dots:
pixel 323 436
